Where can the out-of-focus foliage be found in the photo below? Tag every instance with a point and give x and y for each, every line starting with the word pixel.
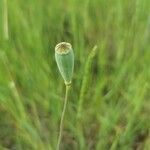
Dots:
pixel 116 82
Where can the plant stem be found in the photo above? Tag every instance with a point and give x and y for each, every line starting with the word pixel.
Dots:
pixel 62 117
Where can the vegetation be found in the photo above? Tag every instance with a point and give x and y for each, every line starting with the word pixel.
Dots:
pixel 109 99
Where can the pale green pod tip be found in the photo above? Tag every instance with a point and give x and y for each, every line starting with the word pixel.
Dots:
pixel 63 48
pixel 65 60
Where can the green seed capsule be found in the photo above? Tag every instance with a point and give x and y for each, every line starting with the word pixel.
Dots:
pixel 65 60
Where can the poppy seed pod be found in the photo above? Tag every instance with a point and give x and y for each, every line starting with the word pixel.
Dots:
pixel 65 60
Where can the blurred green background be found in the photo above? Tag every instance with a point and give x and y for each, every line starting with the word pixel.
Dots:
pixel 110 87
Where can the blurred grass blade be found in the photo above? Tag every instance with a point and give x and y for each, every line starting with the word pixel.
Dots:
pixel 85 81
pixel 5 20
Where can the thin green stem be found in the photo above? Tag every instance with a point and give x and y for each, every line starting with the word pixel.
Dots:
pixel 62 117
